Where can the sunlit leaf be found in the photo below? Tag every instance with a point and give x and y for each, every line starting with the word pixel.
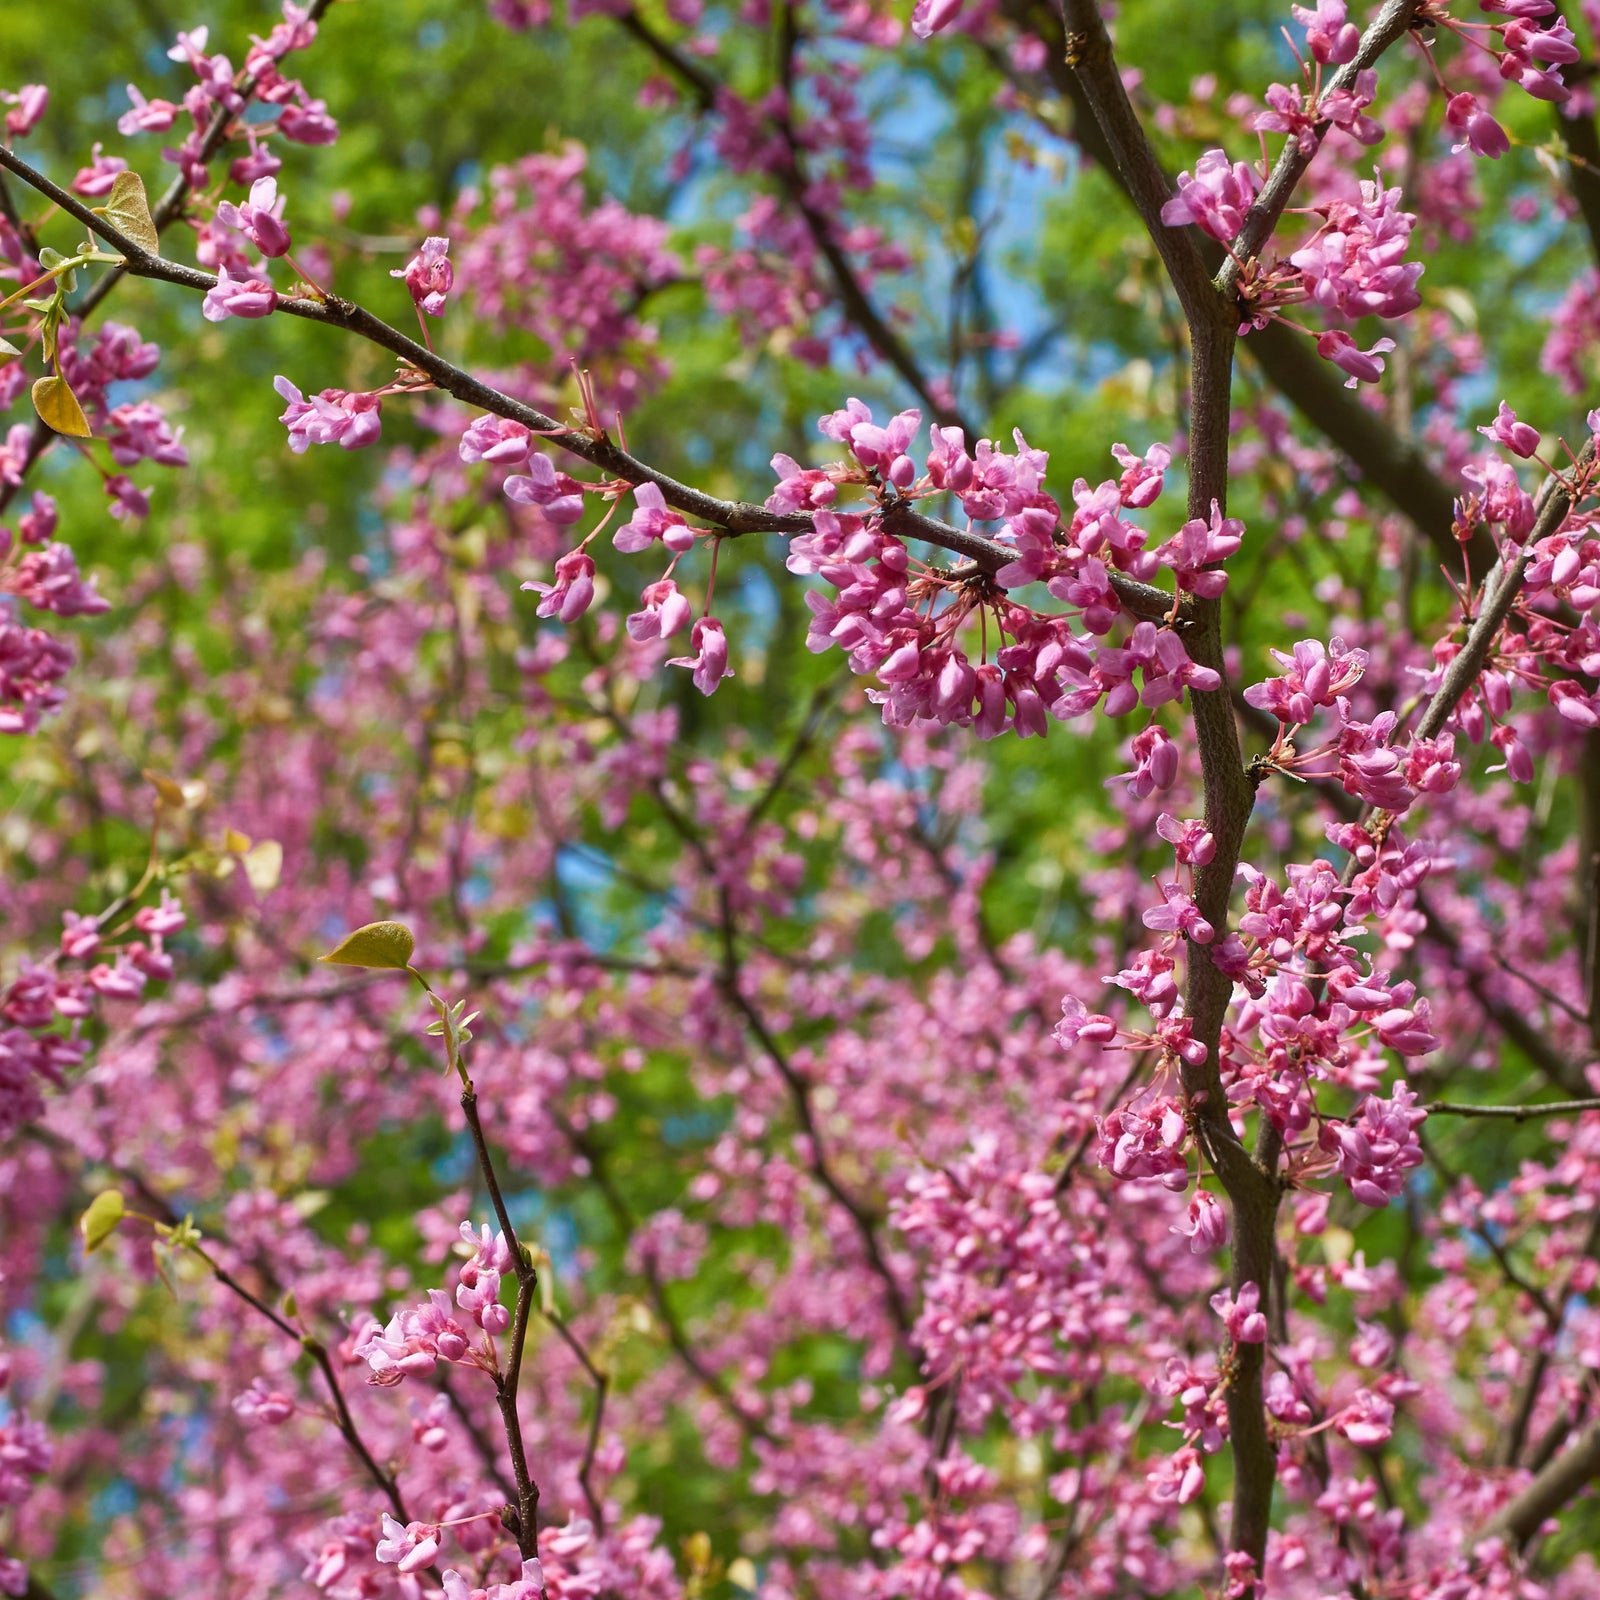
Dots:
pixel 58 407
pixel 379 944
pixel 128 211
pixel 169 789
pixel 99 1222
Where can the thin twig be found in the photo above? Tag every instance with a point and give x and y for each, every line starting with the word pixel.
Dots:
pixel 1550 1108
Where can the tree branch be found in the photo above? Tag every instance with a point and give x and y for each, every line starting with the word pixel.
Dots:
pixel 167 210
pixel 1544 1108
pixel 1564 1478
pixel 1391 461
pixel 1391 24
pixel 506 1382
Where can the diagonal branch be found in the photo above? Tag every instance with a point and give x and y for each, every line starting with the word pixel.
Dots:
pixel 167 210
pixel 735 517
pixel 1563 1479
pixel 1391 24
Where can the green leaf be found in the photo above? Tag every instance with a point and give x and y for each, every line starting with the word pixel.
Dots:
pixel 379 944
pixel 167 788
pixel 58 406
pixel 68 281
pixel 99 1222
pixel 128 211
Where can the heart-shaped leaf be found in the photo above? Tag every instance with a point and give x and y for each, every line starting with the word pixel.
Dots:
pixel 55 402
pixel 128 211
pixel 379 944
pixel 99 1222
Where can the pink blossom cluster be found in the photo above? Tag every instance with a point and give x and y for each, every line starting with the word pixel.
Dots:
pixel 885 612
pixel 1378 1146
pixel 296 116
pixel 47 994
pixel 26 1451
pixel 416 1338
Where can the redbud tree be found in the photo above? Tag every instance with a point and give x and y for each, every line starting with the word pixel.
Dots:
pixel 800 800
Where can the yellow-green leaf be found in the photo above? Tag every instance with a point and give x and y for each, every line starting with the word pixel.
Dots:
pixel 128 211
pixel 379 944
pixel 263 864
pixel 8 351
pixel 169 789
pixel 99 1222
pixel 55 402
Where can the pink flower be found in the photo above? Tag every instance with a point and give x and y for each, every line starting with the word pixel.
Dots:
pixel 1367 1421
pixel 1205 1225
pixel 308 123
pixel 36 526
pixel 1517 762
pixel 1520 438
pixel 1355 263
pixel 1155 762
pixel 709 663
pixel 139 431
pixel 1198 546
pixel 233 297
pixel 653 520
pixel 49 579
pixel 498 440
pixel 1215 199
pixel 1378 1146
pixel 1180 1476
pixel 411 1547
pixel 1194 845
pixel 97 178
pixel 1364 366
pixel 1484 136
pixel 429 275
pixel 800 488
pixel 1078 1022
pixel 557 495
pixel 332 417
pixel 931 16
pixel 260 1406
pixel 1405 1030
pixel 126 497
pixel 147 116
pixel 160 920
pixel 1245 1324
pixel 1146 1141
pixel 573 591
pixel 1178 915
pixel 1142 476
pixel 28 105
pixel 259 219
pixel 80 936
pixel 1331 39
pixel 880 450
pixel 665 612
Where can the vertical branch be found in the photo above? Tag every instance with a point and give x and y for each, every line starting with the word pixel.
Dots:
pixel 506 1382
pixel 1251 1184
